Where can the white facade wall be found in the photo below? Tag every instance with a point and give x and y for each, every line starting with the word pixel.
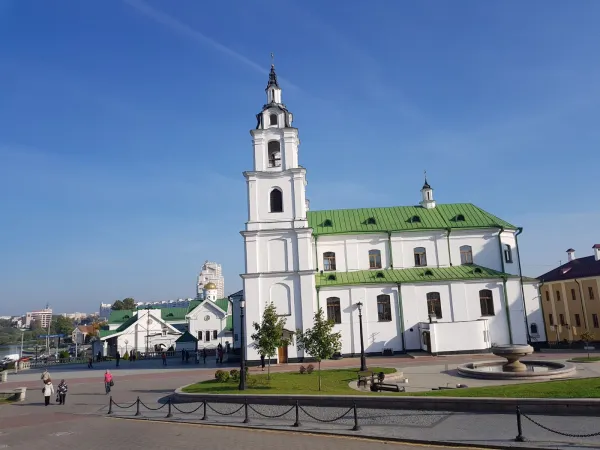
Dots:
pixel 136 334
pixel 209 318
pixel 449 337
pixel 534 311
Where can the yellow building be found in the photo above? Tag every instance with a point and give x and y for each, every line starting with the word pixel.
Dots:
pixel 570 297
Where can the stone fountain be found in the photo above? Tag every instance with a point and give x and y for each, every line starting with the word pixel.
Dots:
pixel 513 353
pixel 513 368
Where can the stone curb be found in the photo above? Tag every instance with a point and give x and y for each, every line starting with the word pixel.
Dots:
pixel 452 444
pixel 554 406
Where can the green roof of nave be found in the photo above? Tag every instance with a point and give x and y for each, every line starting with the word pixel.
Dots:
pixel 402 218
pixel 411 275
pixel 126 317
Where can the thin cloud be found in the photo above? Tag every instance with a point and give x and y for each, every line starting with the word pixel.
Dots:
pixel 185 30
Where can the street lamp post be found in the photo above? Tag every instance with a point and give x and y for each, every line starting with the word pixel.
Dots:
pixel 363 361
pixel 126 345
pixel 242 386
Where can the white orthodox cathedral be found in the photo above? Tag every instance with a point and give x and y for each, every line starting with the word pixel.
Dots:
pixel 440 278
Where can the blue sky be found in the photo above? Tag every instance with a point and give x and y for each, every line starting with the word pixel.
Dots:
pixel 124 128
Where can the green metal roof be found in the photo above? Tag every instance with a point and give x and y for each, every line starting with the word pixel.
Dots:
pixel 187 337
pixel 192 305
pixel 402 218
pixel 120 315
pixel 104 333
pixel 173 314
pixel 222 303
pixel 127 324
pixel 413 275
pixel 229 323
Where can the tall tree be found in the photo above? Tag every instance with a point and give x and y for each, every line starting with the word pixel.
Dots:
pixel 268 336
pixel 128 303
pixel 118 305
pixel 62 325
pixel 320 341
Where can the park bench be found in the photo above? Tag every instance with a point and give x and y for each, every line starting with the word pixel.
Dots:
pixel 378 387
pixel 364 376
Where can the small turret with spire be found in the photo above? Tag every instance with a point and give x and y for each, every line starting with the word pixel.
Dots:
pixel 273 90
pixel 427 200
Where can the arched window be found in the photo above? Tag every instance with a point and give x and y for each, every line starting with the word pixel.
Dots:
pixel 334 312
pixel 434 305
pixel 507 253
pixel 534 328
pixel 273 119
pixel 384 308
pixel 276 200
pixel 487 303
pixel 328 261
pixel 558 296
pixel 374 259
pixel 420 257
pixel 466 254
pixel 274 154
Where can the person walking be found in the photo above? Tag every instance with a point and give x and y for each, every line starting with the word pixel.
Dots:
pixel 108 381
pixel 118 358
pixel 48 390
pixel 204 355
pixel 45 376
pixel 90 363
pixel 197 357
pixel 187 356
pixel 62 392
pixel 164 358
pixel 262 361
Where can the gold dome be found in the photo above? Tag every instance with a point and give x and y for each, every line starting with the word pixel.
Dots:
pixel 211 285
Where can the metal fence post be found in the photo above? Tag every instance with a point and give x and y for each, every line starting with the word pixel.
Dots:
pixel 137 411
pixel 110 402
pixel 356 425
pixel 297 422
pixel 204 417
pixel 520 437
pixel 246 419
pixel 169 414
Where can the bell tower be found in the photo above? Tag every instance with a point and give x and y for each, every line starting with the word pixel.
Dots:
pixel 277 239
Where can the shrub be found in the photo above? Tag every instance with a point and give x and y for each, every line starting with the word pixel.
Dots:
pixel 222 376
pixel 64 355
pixel 302 369
pixel 310 369
pixel 126 356
pixel 234 374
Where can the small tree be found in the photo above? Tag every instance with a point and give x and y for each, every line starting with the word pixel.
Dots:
pixel 320 341
pixel 128 303
pixel 587 336
pixel 118 306
pixel 269 335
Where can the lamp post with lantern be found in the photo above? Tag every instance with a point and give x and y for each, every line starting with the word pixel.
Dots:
pixel 242 386
pixel 363 361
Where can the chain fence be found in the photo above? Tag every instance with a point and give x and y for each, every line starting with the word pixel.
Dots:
pixel 521 438
pixel 246 407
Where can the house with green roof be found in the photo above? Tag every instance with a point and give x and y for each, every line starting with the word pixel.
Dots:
pixel 440 278
pixel 152 328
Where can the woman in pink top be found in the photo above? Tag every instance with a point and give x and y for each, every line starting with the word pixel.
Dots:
pixel 108 381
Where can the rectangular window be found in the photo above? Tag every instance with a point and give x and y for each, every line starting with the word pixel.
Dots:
pixel 577 320
pixel 384 309
pixel 328 261
pixel 486 302
pixel 434 305
pixel 235 337
pixel 595 320
pixel 215 334
pixel 420 257
pixel 551 319
pixel 547 296
pixel 207 336
pixel 573 296
pixel 561 318
pixel 334 312
pixel 374 259
pixel 558 296
pixel 591 292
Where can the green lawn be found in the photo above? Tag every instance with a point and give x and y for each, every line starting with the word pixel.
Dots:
pixel 585 359
pixel 580 388
pixel 332 382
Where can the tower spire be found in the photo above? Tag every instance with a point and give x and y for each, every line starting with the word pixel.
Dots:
pixel 426 185
pixel 427 200
pixel 272 75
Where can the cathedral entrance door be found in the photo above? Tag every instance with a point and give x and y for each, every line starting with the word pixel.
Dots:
pixel 282 355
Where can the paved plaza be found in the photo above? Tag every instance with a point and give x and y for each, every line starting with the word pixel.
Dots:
pixel 30 425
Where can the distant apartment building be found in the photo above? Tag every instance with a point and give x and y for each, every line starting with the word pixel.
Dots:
pixel 211 273
pixel 179 303
pixel 105 309
pixel 77 316
pixel 43 317
pixel 570 297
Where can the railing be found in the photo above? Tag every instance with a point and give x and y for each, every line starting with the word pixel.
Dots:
pixel 297 408
pixel 295 411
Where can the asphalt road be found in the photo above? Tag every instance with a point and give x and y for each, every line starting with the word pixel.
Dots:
pixel 94 433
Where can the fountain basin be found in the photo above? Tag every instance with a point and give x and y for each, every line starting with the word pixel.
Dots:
pixel 513 353
pixel 534 370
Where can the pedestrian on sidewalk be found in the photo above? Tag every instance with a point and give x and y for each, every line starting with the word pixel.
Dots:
pixel 187 356
pixel 197 357
pixel 45 376
pixel 90 363
pixel 164 358
pixel 48 390
pixel 220 353
pixel 118 358
pixel 204 355
pixel 262 361
pixel 108 381
pixel 182 356
pixel 62 392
